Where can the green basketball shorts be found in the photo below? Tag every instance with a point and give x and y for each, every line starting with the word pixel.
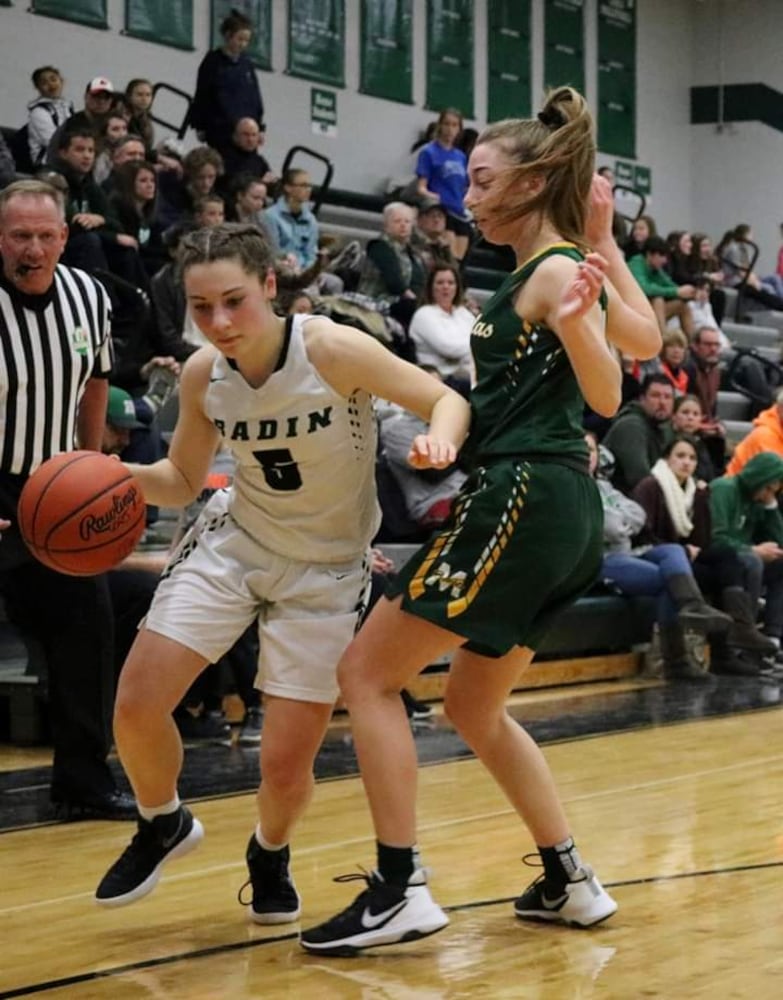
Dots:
pixel 524 540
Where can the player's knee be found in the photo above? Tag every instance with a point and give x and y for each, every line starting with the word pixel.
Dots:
pixel 282 778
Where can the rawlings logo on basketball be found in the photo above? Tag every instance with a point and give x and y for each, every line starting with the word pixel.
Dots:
pixel 122 505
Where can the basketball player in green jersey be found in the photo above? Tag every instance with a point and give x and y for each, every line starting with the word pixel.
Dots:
pixel 525 536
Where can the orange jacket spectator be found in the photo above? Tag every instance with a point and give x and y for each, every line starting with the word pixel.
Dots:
pixel 767 435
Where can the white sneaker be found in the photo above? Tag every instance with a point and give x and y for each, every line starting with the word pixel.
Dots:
pixel 382 914
pixel 582 903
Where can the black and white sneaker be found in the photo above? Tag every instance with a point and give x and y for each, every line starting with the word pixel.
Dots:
pixel 382 914
pixel 275 899
pixel 582 902
pixel 137 870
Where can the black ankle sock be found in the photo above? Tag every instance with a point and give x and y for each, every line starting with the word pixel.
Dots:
pixel 395 864
pixel 560 862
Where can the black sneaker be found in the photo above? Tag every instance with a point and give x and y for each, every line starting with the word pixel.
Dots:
pixel 415 710
pixel 137 870
pixel 250 733
pixel 382 914
pixel 275 899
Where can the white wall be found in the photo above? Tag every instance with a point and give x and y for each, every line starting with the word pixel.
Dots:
pixel 736 172
pixel 373 136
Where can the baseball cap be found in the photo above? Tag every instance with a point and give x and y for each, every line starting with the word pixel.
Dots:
pixel 100 85
pixel 431 204
pixel 120 411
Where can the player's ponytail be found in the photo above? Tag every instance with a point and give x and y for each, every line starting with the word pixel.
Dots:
pixel 558 145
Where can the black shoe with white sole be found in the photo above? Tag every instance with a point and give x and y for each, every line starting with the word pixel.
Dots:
pixel 137 870
pixel 275 899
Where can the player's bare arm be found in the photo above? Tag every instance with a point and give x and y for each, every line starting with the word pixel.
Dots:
pixel 177 480
pixel 564 294
pixel 630 322
pixel 350 360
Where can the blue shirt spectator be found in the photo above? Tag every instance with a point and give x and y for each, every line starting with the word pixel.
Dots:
pixel 290 223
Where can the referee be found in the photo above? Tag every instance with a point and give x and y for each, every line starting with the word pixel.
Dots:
pixel 55 359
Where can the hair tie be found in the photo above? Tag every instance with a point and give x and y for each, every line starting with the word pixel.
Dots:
pixel 552 118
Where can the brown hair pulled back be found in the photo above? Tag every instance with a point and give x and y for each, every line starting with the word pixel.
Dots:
pixel 559 145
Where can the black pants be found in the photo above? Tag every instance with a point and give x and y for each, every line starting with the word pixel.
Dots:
pixel 71 618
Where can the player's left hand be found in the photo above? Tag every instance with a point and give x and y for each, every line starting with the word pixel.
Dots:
pixel 428 452
pixel 583 291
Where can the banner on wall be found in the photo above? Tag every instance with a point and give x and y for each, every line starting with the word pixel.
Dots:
pixel 316 40
pixel 564 44
pixel 508 59
pixel 92 12
pixel 386 62
pixel 168 23
pixel 617 77
pixel 259 51
pixel 450 55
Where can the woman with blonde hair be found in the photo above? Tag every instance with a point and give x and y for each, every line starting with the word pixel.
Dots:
pixel 524 539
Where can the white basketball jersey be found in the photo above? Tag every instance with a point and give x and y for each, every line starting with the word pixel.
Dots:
pixel 305 480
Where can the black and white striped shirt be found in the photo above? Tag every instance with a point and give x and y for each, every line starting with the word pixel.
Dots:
pixel 50 345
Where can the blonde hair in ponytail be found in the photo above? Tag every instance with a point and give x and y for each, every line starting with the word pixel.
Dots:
pixel 560 146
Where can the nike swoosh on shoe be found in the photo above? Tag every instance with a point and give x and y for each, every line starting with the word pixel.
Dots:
pixel 370 921
pixel 168 842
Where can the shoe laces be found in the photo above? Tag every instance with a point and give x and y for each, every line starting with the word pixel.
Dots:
pixel 268 868
pixel 347 916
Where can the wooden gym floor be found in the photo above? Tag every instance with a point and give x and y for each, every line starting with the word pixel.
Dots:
pixel 674 793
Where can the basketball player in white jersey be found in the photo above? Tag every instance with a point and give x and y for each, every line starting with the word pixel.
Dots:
pixel 287 544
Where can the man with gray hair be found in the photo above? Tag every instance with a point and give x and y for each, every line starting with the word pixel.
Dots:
pixel 56 351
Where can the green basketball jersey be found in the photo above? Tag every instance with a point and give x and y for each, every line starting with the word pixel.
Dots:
pixel 526 401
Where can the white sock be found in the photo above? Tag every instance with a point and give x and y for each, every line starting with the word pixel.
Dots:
pixel 265 843
pixel 150 812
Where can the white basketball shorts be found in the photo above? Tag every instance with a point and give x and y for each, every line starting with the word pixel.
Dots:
pixel 220 579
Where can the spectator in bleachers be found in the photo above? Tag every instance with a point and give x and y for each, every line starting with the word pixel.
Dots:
pixel 767 435
pixel 112 129
pixel 248 200
pixel 128 149
pixel 97 105
pixel 430 238
pixel 746 516
pixel 641 230
pixel 678 512
pixel 700 308
pixel 290 223
pixel 209 210
pixel 242 155
pixel 704 264
pixel 134 204
pixel 90 223
pixel 640 432
pixel 662 571
pixel 687 418
pixel 392 272
pixel 47 112
pixel 179 335
pixel 440 329
pixel 139 93
pixel 442 172
pixel 735 253
pixel 201 168
pixel 666 297
pixel 227 86
pixel 7 163
pixel 705 375
pixel 671 361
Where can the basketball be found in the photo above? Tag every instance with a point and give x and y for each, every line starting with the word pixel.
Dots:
pixel 81 513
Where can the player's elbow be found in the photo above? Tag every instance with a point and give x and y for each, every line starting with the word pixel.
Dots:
pixel 606 402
